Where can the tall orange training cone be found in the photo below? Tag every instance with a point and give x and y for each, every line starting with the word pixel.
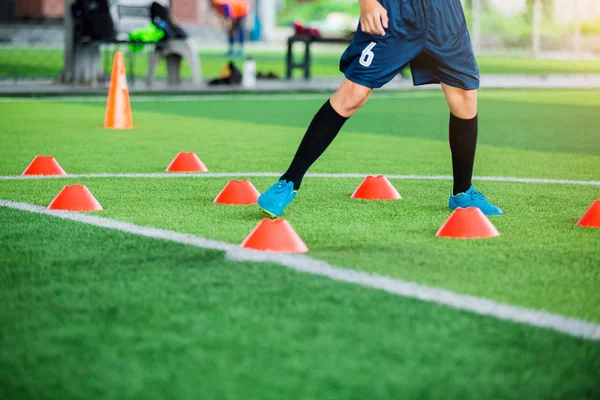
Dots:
pixel 467 223
pixel 186 162
pixel 591 218
pixel 238 192
pixel 376 188
pixel 44 165
pixel 118 107
pixel 274 235
pixel 75 198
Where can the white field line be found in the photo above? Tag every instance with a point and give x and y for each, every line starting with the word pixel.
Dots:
pixel 233 175
pixel 212 97
pixel 569 326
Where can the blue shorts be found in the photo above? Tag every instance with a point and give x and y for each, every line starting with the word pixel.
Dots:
pixel 430 35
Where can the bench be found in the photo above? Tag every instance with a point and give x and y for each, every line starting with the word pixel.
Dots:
pixel 127 17
pixel 305 63
pixel 308 41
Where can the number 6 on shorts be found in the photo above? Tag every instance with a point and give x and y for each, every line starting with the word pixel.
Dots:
pixel 366 57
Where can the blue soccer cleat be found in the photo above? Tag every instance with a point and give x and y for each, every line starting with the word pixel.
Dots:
pixel 276 198
pixel 473 198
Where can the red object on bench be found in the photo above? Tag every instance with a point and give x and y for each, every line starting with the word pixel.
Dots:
pixel 302 30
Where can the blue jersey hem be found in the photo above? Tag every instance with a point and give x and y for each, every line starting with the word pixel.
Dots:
pixel 370 85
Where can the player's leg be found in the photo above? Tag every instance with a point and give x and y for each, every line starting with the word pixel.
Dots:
pixel 462 135
pixel 325 126
pixel 323 129
pixel 230 36
pixel 463 131
pixel 240 33
pixel 370 62
pixel 448 59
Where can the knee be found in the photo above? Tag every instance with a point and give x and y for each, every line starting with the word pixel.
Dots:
pixel 349 98
pixel 463 104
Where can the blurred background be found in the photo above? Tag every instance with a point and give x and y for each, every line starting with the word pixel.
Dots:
pixel 508 35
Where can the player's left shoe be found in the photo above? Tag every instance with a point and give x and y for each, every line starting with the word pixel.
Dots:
pixel 473 198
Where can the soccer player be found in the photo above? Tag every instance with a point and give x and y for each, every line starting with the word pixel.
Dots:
pixel 233 13
pixel 432 36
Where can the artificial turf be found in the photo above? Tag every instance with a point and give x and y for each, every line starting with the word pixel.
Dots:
pixel 407 135
pixel 91 313
pixel 106 298
pixel 541 260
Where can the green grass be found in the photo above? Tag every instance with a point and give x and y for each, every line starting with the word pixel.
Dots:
pixel 390 238
pixel 136 318
pixel 86 312
pixel 518 65
pixel 47 63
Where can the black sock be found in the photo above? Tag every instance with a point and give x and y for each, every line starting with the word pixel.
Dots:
pixel 322 130
pixel 463 142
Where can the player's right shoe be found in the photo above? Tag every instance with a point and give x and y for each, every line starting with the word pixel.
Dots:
pixel 473 198
pixel 277 198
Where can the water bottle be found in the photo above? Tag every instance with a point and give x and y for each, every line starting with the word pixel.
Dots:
pixel 249 78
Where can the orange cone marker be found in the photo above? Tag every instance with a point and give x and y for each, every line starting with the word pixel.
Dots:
pixel 467 223
pixel 238 192
pixel 376 188
pixel 44 165
pixel 118 107
pixel 186 162
pixel 591 218
pixel 274 235
pixel 75 198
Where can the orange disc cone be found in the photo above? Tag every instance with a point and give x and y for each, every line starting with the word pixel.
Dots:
pixel 186 162
pixel 467 223
pixel 376 188
pixel 238 192
pixel 75 198
pixel 118 107
pixel 591 218
pixel 274 235
pixel 44 165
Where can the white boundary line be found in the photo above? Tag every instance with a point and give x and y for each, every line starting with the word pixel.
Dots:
pixel 167 175
pixel 569 326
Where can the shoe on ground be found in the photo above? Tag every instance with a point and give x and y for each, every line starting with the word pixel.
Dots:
pixel 473 198
pixel 277 198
